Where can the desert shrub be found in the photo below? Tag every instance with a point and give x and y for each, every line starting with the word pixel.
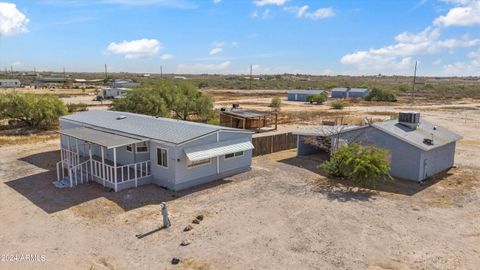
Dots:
pixel 377 94
pixel 37 111
pixel 365 166
pixel 276 102
pixel 77 107
pixel 318 99
pixel 337 105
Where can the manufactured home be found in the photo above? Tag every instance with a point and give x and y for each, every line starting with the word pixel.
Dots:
pixel 302 95
pixel 7 83
pixel 418 149
pixel 107 93
pixel 120 150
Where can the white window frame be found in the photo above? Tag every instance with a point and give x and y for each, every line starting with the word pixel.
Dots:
pixel 166 153
pixel 235 155
pixel 146 145
pixel 191 166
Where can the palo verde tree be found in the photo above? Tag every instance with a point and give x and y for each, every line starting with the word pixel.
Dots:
pixel 317 98
pixel 276 102
pixel 144 101
pixel 36 111
pixel 365 166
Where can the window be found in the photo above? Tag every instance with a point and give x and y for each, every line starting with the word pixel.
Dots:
pixel 142 147
pixel 232 155
pixel 162 157
pixel 196 163
pixel 129 148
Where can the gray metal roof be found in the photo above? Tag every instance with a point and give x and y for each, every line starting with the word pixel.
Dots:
pixel 326 131
pixel 344 89
pixel 305 92
pixel 217 149
pixel 246 113
pixel 106 139
pixel 162 129
pixel 415 137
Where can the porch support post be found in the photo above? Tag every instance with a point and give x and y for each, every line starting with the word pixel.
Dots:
pixel 218 157
pixel 78 153
pixel 115 167
pixel 91 161
pixel 69 153
pixel 103 165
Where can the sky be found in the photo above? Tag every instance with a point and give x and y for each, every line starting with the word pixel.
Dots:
pixel 321 37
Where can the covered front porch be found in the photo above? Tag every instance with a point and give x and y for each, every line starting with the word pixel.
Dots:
pixel 89 154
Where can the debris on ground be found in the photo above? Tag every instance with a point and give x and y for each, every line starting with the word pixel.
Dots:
pixel 188 228
pixel 175 260
pixel 185 242
pixel 196 221
pixel 200 217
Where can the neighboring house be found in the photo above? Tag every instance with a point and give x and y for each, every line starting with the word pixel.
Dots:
pixel 7 83
pixel 121 150
pixel 301 95
pixel 107 93
pixel 349 92
pixel 49 82
pixel 124 83
pixel 418 149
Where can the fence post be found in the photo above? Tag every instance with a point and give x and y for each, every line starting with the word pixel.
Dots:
pixel 136 175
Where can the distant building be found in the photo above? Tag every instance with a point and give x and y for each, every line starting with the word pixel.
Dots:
pixel 50 82
pixel 418 149
pixel 107 93
pixel 301 95
pixel 124 83
pixel 7 83
pixel 348 92
pixel 179 77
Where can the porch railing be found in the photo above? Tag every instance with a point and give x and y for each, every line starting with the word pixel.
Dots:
pixel 125 173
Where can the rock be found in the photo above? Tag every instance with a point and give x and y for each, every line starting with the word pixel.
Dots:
pixel 188 228
pixel 185 242
pixel 196 221
pixel 175 260
pixel 200 217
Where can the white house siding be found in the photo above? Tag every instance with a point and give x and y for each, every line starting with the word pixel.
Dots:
pixel 163 176
pixel 437 160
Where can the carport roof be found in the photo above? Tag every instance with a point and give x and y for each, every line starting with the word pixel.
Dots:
pixel 106 139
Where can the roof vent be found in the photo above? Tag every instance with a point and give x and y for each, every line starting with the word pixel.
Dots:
pixel 409 119
pixel 121 117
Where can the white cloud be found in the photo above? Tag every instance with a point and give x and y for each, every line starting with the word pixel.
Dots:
pixel 467 13
pixel 12 21
pixel 302 12
pixel 217 1
pixel 261 3
pixel 166 56
pixel 215 50
pixel 264 15
pixel 135 48
pixel 465 68
pixel 203 68
pixel 398 56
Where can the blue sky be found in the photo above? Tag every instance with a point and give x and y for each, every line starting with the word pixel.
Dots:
pixel 360 37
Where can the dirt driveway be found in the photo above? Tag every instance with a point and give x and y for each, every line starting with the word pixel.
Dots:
pixel 281 215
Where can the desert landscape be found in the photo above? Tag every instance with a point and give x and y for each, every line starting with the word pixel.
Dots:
pixel 284 213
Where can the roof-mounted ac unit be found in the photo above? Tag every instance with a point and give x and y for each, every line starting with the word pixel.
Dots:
pixel 409 119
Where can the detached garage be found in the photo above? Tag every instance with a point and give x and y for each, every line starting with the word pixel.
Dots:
pixel 301 95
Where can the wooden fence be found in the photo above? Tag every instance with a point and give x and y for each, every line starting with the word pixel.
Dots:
pixel 274 143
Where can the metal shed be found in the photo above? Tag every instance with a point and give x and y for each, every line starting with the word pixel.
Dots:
pixel 301 95
pixel 348 92
pixel 121 150
pixel 418 149
pixel 7 83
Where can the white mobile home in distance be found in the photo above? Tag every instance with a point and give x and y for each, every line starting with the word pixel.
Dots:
pixel 121 150
pixel 10 83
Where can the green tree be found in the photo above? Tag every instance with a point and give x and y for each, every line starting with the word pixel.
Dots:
pixel 365 166
pixel 276 102
pixel 147 101
pixel 186 101
pixel 38 111
pixel 337 105
pixel 318 98
pixel 377 94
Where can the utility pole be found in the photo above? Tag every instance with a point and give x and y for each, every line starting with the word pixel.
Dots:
pixel 106 74
pixel 161 72
pixel 64 74
pixel 251 67
pixel 11 69
pixel 414 78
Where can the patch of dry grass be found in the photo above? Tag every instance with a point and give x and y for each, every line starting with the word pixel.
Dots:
pixel 38 137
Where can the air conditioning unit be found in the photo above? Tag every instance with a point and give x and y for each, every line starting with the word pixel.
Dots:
pixel 409 119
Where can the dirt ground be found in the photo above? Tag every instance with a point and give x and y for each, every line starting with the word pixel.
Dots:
pixel 283 214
